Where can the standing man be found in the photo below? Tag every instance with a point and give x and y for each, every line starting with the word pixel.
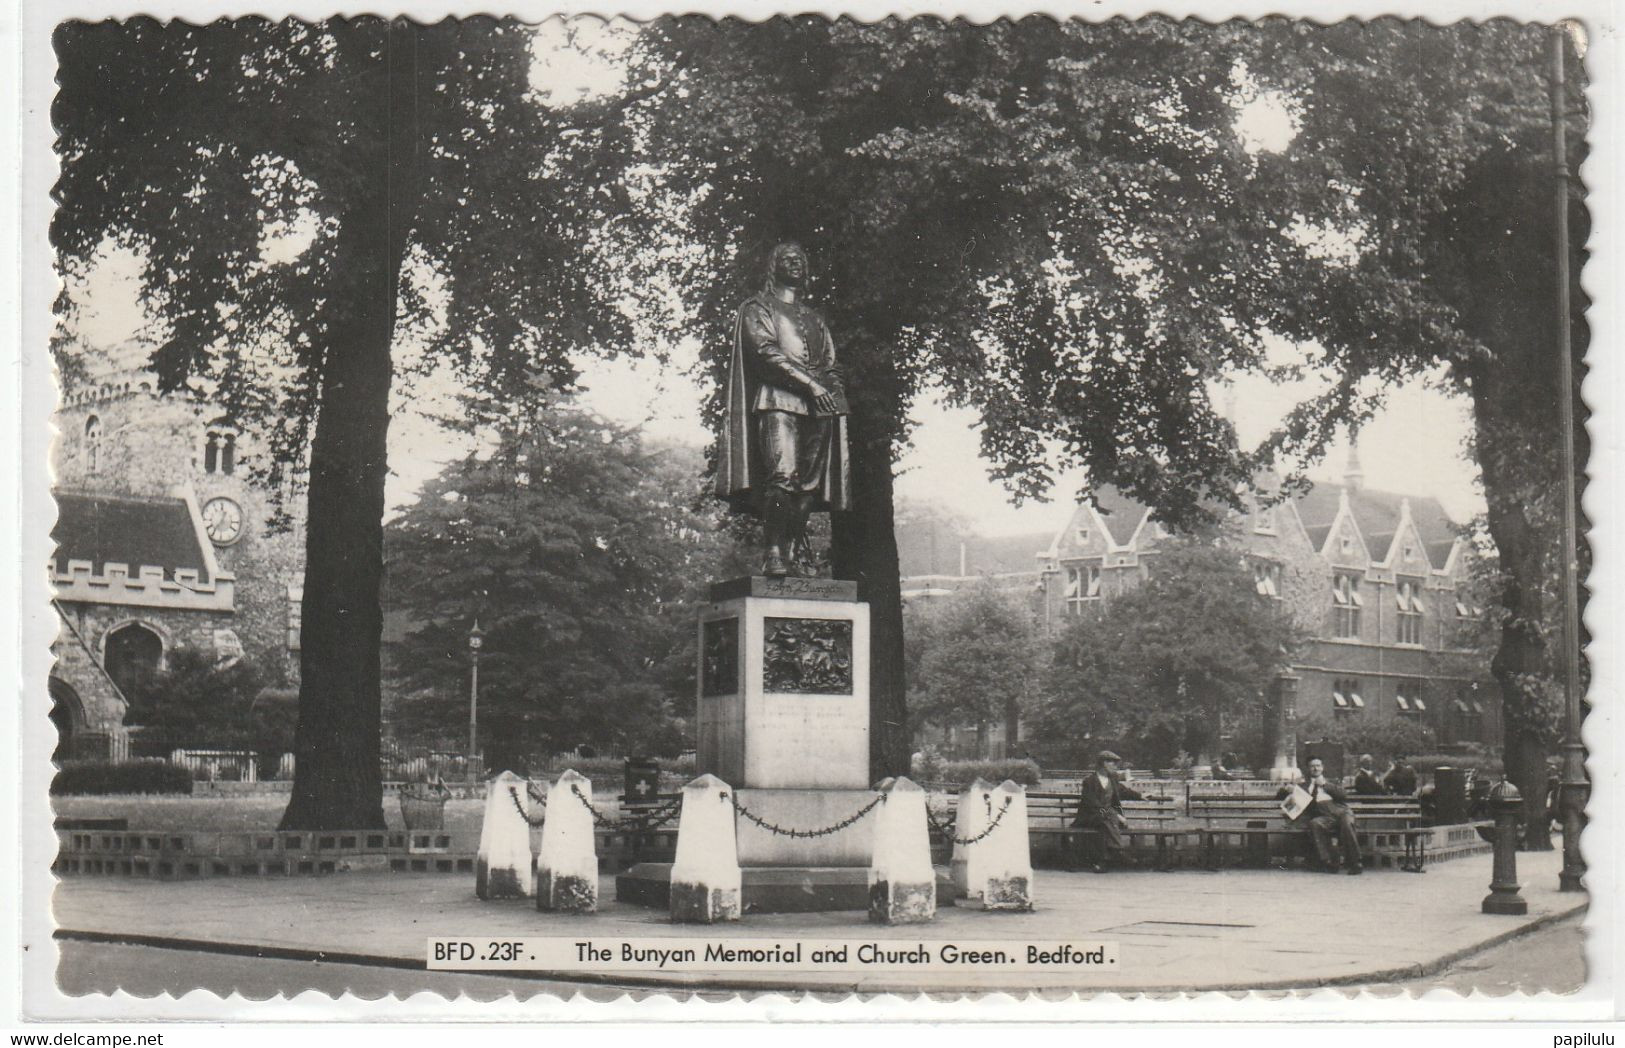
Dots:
pixel 1329 813
pixel 1401 778
pixel 783 452
pixel 1100 808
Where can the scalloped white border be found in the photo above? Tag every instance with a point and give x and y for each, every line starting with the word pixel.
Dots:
pixel 27 967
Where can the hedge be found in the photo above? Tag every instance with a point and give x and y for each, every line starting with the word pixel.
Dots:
pixel 1427 763
pixel 102 777
pixel 963 773
pixel 606 772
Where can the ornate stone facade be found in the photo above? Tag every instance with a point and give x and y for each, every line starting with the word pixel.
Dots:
pixel 142 477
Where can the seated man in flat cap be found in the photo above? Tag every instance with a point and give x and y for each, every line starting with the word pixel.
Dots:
pixel 1100 808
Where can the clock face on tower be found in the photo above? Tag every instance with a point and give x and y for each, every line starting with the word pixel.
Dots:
pixel 223 521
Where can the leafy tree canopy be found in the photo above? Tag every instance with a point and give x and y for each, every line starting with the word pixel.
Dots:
pixel 581 553
pixel 1163 662
pixel 970 654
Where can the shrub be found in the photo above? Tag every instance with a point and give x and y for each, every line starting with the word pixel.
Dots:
pixel 1484 764
pixel 1382 737
pixel 103 777
pixel 962 773
pixel 606 772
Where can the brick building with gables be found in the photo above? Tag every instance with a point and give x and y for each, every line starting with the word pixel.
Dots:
pixel 1378 580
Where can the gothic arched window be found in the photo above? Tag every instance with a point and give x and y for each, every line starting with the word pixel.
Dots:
pixel 93 444
pixel 131 655
pixel 219 451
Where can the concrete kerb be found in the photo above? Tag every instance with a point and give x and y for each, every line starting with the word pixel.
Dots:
pixel 687 981
pixel 1432 923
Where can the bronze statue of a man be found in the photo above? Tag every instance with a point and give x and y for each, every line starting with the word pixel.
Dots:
pixel 783 453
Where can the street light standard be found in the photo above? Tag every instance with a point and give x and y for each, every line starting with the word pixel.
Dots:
pixel 476 640
pixel 1575 790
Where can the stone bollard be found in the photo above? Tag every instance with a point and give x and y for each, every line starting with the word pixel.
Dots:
pixel 970 819
pixel 1506 804
pixel 902 881
pixel 1000 869
pixel 567 868
pixel 504 868
pixel 705 880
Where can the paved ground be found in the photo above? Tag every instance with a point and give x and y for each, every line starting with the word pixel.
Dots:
pixel 1547 958
pixel 1179 930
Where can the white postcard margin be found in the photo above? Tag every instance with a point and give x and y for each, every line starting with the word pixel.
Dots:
pixel 27 404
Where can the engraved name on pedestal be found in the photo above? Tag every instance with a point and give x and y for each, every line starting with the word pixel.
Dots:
pixel 783 684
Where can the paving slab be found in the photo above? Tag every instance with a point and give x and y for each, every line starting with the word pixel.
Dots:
pixel 1180 930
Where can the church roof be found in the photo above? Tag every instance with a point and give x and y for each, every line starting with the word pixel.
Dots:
pixel 138 532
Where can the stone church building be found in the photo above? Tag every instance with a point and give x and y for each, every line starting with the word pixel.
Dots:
pixel 164 541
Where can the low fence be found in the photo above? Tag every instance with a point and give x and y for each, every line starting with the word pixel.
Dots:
pixel 218 765
pixel 189 856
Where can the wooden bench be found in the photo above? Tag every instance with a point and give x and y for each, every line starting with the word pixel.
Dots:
pixel 1388 828
pixel 1049 825
pixel 647 843
pixel 1155 819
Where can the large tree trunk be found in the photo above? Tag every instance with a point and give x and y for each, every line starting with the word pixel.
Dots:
pixel 1521 662
pixel 337 781
pixel 863 548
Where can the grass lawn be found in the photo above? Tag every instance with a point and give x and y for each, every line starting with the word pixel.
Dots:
pixel 223 813
pixel 232 814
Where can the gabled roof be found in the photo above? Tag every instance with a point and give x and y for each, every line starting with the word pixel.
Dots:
pixel 138 532
pixel 1377 514
pixel 1121 514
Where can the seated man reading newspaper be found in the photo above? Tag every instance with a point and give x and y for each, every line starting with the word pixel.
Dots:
pixel 1325 805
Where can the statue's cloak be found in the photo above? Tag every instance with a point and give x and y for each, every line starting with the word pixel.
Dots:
pixel 739 456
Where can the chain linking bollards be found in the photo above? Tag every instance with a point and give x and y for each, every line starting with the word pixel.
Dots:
pixel 1506 805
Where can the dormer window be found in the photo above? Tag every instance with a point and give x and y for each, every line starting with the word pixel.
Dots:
pixel 93 444
pixel 1348 544
pixel 1264 519
pixel 1083 534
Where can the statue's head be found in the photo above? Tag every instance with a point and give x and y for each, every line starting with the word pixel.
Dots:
pixel 787 266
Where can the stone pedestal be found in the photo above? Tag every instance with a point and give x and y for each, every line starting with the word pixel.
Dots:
pixel 784 718
pixel 784 685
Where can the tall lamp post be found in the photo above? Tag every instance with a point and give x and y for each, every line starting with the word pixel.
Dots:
pixel 1575 789
pixel 476 640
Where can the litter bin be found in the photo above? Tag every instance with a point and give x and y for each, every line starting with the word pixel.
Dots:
pixel 642 780
pixel 1449 796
